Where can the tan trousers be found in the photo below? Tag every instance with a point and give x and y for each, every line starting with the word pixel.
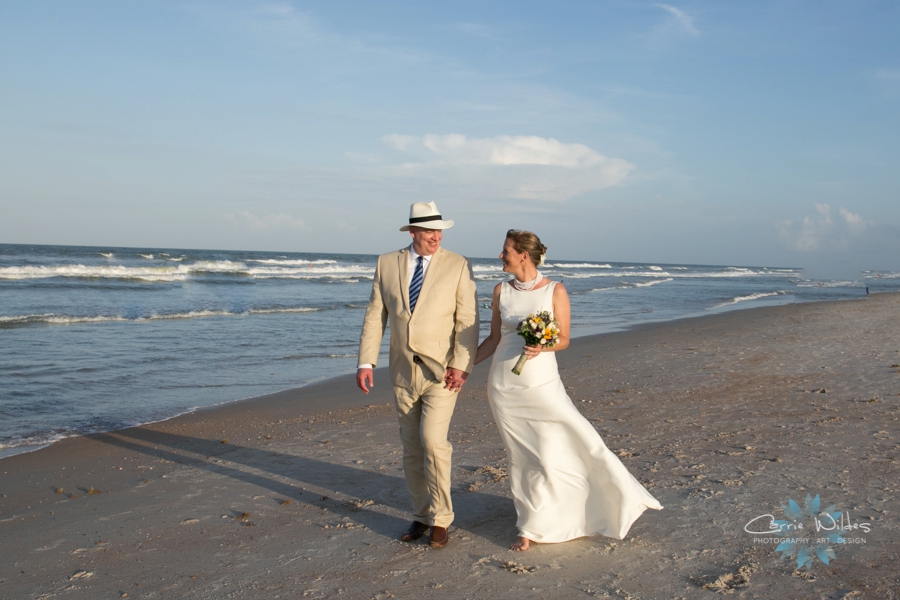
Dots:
pixel 424 410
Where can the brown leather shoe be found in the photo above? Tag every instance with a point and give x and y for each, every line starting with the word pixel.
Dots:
pixel 439 537
pixel 414 531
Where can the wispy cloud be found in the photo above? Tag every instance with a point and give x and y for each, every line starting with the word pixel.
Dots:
pixel 478 30
pixel 521 167
pixel 624 90
pixel 823 230
pixel 888 80
pixel 272 222
pixel 281 25
pixel 372 61
pixel 278 23
pixel 888 75
pixel 681 18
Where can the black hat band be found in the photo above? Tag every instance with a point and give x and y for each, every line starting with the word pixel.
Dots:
pixel 423 219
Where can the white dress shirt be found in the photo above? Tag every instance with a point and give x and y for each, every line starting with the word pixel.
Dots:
pixel 413 257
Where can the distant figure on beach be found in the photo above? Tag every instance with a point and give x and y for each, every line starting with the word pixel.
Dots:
pixel 428 294
pixel 867 290
pixel 565 482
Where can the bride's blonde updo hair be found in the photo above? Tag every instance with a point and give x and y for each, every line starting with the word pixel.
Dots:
pixel 526 241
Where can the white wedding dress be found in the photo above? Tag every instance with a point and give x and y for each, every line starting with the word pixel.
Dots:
pixel 565 482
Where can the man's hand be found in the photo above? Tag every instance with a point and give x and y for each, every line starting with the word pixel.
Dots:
pixel 454 379
pixel 365 380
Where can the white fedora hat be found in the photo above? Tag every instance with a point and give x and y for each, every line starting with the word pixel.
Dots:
pixel 427 216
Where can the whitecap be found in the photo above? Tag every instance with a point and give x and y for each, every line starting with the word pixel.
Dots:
pixel 649 283
pixel 92 272
pixel 577 266
pixel 828 284
pixel 751 297
pixel 217 266
pixel 307 271
pixel 269 311
pixel 58 319
pixel 293 262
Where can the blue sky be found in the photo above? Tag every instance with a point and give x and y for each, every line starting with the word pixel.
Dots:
pixel 740 133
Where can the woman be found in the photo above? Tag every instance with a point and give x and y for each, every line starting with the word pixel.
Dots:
pixel 565 482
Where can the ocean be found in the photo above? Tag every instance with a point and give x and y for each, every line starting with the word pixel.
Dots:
pixel 98 338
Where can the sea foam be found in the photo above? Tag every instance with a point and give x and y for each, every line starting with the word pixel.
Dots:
pixel 56 319
pixel 738 299
pixel 181 272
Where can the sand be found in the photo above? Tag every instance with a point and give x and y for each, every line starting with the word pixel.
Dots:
pixel 300 494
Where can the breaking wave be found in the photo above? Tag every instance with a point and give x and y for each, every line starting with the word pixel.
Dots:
pixel 576 266
pixel 293 263
pixel 56 319
pixel 881 274
pixel 649 283
pixel 181 272
pixel 738 299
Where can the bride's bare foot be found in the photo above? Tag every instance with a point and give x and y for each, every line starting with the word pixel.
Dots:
pixel 521 544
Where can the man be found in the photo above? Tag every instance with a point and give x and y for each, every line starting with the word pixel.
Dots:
pixel 429 295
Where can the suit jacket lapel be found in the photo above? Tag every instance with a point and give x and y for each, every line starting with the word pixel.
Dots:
pixel 403 270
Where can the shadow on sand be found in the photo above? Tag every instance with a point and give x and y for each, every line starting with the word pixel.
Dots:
pixel 290 476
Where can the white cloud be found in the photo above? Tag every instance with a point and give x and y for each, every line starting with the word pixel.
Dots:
pixel 271 222
pixel 684 20
pixel 822 231
pixel 501 150
pixel 523 167
pixel 855 223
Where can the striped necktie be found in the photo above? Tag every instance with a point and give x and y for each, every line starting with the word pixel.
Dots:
pixel 415 285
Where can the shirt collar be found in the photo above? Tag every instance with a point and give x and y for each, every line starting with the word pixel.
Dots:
pixel 413 255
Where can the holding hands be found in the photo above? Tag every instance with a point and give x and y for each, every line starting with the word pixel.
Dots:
pixel 454 379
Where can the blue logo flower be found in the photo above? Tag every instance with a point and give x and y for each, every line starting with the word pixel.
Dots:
pixel 808 532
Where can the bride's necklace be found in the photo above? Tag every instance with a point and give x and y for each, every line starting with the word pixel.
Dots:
pixel 526 286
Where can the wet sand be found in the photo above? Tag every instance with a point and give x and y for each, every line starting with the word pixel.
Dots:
pixel 300 494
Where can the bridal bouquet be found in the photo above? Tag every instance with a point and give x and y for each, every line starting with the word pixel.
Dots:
pixel 538 329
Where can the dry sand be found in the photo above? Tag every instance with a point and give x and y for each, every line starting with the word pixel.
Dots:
pixel 300 494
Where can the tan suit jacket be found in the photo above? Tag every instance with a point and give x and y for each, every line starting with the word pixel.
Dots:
pixel 443 330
